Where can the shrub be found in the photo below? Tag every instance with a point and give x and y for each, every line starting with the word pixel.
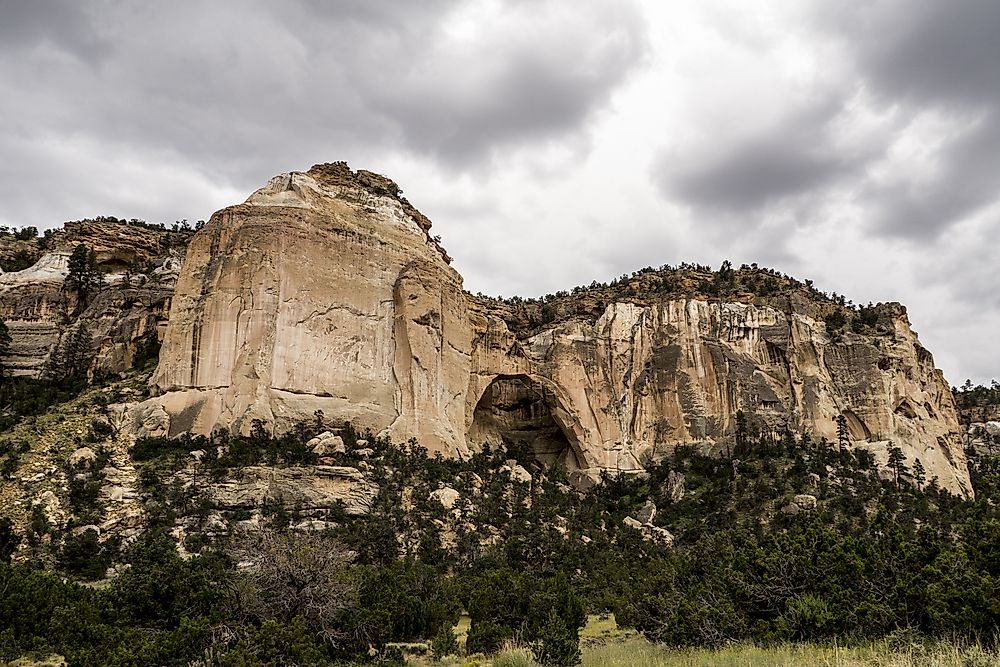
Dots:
pixel 82 555
pixel 557 644
pixel 9 539
pixel 445 642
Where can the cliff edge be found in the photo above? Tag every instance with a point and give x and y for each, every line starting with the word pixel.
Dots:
pixel 324 291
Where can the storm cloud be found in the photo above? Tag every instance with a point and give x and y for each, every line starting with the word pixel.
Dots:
pixel 232 86
pixel 552 143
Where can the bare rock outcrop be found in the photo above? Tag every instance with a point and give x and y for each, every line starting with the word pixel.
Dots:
pixel 325 291
pixel 138 266
pixel 304 487
pixel 643 378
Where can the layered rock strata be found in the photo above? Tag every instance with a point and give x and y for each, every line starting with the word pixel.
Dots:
pixel 325 292
pixel 642 379
pixel 139 269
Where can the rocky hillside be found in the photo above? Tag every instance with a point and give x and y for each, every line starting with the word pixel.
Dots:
pixel 325 291
pixel 328 400
pixel 979 404
pixel 134 267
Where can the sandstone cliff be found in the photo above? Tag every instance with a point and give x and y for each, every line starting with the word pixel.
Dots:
pixel 643 378
pixel 139 267
pixel 324 291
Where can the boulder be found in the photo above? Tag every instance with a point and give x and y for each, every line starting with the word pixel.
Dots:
pixel 327 443
pixel 805 501
pixel 650 533
pixel 517 472
pixel 648 513
pixel 675 486
pixel 306 487
pixel 446 496
pixel 84 458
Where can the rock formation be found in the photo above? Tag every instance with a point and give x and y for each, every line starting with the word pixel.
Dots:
pixel 138 267
pixel 322 292
pixel 325 292
pixel 643 378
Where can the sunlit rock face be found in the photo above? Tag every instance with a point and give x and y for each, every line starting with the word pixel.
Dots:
pixel 324 291
pixel 642 379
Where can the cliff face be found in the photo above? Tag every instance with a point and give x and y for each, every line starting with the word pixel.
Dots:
pixel 642 379
pixel 139 268
pixel 324 291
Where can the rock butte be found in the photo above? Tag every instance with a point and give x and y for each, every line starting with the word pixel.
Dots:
pixel 325 291
pixel 36 305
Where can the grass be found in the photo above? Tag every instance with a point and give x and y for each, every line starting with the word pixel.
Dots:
pixel 639 653
pixel 604 644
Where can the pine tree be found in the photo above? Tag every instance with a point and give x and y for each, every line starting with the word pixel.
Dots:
pixel 742 432
pixel 896 462
pixel 83 276
pixel 557 644
pixel 919 474
pixel 5 341
pixel 69 362
pixel 842 433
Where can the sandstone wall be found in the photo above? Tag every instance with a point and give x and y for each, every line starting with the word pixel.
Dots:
pixel 642 379
pixel 39 309
pixel 324 291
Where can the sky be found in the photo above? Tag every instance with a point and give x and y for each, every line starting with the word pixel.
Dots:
pixel 855 143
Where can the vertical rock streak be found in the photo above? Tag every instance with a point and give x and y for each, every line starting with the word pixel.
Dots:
pixel 348 307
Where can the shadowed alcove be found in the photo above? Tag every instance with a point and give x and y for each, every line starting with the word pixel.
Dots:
pixel 520 410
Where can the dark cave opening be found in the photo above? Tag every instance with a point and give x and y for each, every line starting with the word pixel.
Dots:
pixel 518 410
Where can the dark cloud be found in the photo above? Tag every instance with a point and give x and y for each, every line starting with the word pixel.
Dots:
pixel 63 25
pixel 924 52
pixel 762 186
pixel 518 88
pixel 761 172
pixel 241 90
pixel 913 60
pixel 929 57
pixel 965 179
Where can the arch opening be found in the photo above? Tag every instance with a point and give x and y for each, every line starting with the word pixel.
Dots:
pixel 520 411
pixel 856 426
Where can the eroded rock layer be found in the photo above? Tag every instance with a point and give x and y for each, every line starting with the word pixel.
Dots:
pixel 128 310
pixel 642 379
pixel 324 291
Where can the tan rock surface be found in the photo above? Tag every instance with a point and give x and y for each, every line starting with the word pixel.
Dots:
pixel 321 292
pixel 303 487
pixel 642 379
pixel 38 308
pixel 324 292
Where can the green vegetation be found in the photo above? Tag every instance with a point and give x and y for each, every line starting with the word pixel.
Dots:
pixel 5 341
pixel 872 557
pixel 969 397
pixel 902 651
pixel 748 283
pixel 876 558
pixel 69 362
pixel 84 277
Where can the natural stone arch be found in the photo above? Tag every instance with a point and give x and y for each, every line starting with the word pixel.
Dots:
pixel 529 409
pixel 856 426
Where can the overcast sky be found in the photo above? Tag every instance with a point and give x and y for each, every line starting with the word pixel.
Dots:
pixel 551 142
